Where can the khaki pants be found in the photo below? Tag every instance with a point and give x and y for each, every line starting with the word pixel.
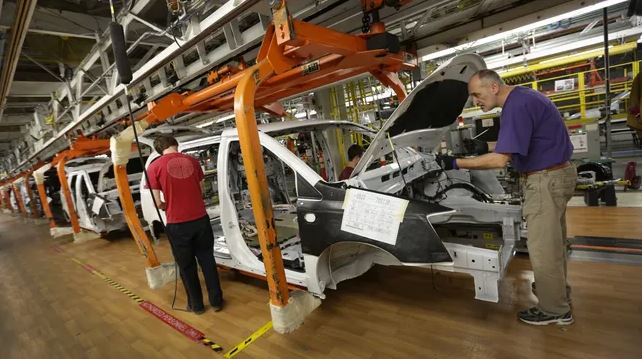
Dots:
pixel 546 195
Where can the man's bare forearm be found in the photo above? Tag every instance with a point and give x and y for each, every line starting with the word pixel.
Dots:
pixel 157 199
pixel 488 161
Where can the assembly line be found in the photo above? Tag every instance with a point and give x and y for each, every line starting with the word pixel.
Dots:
pixel 457 202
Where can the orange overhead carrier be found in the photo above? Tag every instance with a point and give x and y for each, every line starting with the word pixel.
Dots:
pixel 6 194
pixel 18 194
pixel 294 57
pixel 39 177
pixel 82 147
pixel 32 202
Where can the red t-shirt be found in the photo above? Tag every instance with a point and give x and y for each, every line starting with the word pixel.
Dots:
pixel 345 174
pixel 179 177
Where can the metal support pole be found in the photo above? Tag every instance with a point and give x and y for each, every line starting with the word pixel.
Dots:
pixel 607 80
pixel 64 187
pixel 582 93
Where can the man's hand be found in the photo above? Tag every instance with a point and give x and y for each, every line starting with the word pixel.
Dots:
pixel 446 162
pixel 157 199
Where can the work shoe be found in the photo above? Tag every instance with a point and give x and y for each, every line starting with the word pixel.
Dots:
pixel 534 316
pixel 196 311
pixel 218 308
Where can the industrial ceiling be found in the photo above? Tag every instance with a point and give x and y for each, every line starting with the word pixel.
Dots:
pixel 58 78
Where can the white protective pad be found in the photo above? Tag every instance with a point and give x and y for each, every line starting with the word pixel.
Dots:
pixel 120 145
pixel 157 277
pixel 289 318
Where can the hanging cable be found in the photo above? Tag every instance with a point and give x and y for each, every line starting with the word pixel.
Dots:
pixel 125 75
pixel 394 155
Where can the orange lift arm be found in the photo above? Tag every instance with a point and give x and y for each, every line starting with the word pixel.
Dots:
pixel 314 57
pixel 6 193
pixel 81 147
pixel 294 57
pixel 45 205
pixel 39 177
pixel 121 147
pixel 18 195
pixel 32 203
pixel 131 216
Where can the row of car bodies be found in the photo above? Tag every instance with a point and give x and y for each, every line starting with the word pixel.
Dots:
pixel 456 220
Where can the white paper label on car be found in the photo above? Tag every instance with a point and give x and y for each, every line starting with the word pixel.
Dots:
pixel 373 215
pixel 98 202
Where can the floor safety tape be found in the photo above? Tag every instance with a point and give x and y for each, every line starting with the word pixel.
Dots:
pixel 156 311
pixel 249 340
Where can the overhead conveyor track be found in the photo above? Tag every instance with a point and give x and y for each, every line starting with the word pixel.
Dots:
pixel 294 57
pixel 24 12
pixel 153 78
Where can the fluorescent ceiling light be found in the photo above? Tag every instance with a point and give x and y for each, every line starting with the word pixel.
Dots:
pixel 590 26
pixel 225 118
pixel 560 49
pixel 525 28
pixel 205 124
pixel 218 120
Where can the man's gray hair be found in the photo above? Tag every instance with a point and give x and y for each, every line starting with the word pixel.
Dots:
pixel 489 76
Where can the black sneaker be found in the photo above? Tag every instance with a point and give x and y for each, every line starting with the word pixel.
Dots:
pixel 534 316
pixel 218 308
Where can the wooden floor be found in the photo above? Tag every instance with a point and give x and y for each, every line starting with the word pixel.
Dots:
pixel 52 308
pixel 613 222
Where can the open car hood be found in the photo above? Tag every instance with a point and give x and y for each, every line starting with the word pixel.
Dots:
pixel 429 109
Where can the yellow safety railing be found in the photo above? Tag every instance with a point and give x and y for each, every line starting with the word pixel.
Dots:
pixel 581 96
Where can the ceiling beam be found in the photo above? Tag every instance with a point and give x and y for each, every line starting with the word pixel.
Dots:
pixel 63 21
pixel 41 89
pixel 23 15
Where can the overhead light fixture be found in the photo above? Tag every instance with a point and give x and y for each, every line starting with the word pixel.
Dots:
pixel 590 26
pixel 522 29
pixel 564 48
pixel 225 118
pixel 218 120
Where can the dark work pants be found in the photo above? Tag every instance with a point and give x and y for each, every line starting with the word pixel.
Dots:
pixel 190 241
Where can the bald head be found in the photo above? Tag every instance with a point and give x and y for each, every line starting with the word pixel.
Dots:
pixel 488 76
pixel 487 89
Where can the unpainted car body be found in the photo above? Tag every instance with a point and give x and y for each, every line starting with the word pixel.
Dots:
pixel 94 194
pixel 446 225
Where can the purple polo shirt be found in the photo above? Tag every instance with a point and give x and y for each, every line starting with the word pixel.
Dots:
pixel 532 130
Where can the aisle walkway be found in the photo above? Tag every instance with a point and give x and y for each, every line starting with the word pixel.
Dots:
pixel 53 308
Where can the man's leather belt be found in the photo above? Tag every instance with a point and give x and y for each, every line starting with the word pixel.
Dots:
pixel 549 169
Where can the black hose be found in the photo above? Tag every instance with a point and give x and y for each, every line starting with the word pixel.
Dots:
pixel 151 192
pixel 477 194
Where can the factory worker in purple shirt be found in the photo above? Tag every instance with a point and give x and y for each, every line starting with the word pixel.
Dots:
pixel 534 139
